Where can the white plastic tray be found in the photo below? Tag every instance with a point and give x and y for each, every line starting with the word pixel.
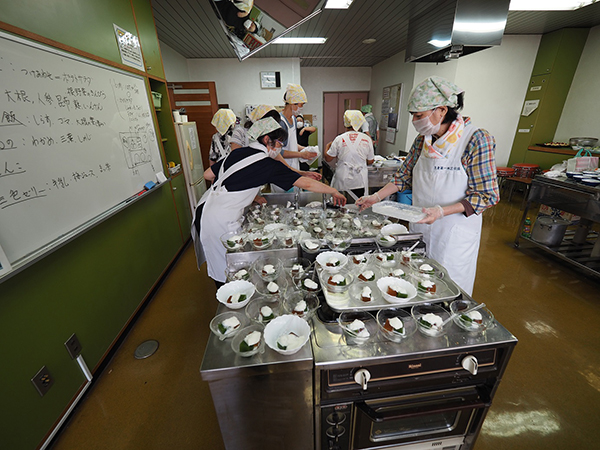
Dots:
pixel 399 211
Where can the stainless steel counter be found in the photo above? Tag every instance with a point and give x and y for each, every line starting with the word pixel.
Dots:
pixel 332 352
pixel 580 248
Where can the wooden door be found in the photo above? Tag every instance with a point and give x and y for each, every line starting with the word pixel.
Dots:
pixel 334 106
pixel 199 98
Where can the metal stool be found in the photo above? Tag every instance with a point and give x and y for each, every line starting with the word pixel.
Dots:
pixel 514 181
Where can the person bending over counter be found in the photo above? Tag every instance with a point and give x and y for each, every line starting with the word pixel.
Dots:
pixel 451 168
pixel 236 181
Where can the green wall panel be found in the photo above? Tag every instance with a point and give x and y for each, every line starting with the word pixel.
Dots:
pixel 85 25
pixel 183 205
pixel 91 287
pixel 554 68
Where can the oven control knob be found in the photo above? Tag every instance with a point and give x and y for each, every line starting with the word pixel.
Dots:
pixel 362 377
pixel 470 364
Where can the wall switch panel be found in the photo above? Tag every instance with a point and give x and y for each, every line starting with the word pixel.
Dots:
pixel 73 346
pixel 42 381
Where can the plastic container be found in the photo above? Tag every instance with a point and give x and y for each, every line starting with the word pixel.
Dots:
pixel 399 211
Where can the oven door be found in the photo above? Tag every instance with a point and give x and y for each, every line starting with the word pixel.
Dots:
pixel 433 416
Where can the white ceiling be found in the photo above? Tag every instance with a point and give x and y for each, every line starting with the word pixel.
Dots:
pixel 191 28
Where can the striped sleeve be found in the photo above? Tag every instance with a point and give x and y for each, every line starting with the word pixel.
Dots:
pixel 480 164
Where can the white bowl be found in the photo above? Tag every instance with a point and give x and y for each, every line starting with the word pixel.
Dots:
pixel 385 282
pixel 241 335
pixel 394 229
pixel 386 240
pixel 235 287
pixel 214 324
pixel 324 258
pixel 284 325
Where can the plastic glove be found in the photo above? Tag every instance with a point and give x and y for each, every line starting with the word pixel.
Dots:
pixel 308 155
pixel 367 201
pixel 433 213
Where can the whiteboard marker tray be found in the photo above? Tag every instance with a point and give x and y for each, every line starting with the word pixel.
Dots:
pixel 399 211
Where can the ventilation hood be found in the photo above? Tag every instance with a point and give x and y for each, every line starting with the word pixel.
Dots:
pixel 454 28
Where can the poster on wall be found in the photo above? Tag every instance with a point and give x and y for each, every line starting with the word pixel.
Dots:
pixel 129 47
pixel 390 111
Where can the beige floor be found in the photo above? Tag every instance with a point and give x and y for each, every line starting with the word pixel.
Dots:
pixel 549 398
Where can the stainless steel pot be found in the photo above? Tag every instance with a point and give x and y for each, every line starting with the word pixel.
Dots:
pixel 549 231
pixel 583 141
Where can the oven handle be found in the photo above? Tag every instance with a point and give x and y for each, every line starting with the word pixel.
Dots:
pixel 419 411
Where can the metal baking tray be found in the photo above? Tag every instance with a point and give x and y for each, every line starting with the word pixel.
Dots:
pixel 347 302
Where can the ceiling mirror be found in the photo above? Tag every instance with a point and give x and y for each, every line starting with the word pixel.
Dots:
pixel 251 25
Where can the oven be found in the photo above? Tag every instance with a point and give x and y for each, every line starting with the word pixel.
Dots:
pixel 418 398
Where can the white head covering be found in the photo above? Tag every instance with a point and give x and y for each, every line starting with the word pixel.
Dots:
pixel 262 127
pixel 294 94
pixel 354 118
pixel 223 119
pixel 433 92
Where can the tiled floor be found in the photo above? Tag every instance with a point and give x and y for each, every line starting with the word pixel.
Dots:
pixel 549 398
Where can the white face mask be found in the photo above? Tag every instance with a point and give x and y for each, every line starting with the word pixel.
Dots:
pixel 425 127
pixel 297 110
pixel 299 124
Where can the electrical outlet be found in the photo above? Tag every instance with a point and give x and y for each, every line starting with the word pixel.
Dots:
pixel 42 381
pixel 73 346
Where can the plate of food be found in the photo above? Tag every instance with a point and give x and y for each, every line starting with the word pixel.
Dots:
pixel 332 261
pixel 469 319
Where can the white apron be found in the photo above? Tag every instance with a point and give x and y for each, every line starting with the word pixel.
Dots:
pixel 222 212
pixel 348 173
pixel 453 241
pixel 292 146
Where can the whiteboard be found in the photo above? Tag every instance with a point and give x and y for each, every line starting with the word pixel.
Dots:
pixel 77 140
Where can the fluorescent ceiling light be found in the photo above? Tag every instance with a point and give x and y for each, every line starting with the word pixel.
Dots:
pixel 338 4
pixel 479 27
pixel 439 43
pixel 300 40
pixel 548 5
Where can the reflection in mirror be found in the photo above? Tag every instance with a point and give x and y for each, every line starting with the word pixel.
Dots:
pixel 250 25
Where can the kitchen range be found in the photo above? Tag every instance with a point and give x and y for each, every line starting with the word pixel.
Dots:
pixel 399 357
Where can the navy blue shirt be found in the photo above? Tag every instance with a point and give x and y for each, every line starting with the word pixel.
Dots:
pixel 265 171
